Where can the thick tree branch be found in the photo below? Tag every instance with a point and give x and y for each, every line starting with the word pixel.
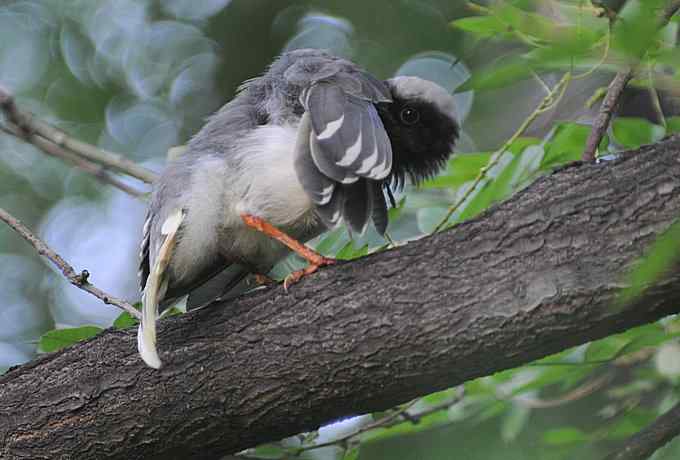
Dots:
pixel 530 277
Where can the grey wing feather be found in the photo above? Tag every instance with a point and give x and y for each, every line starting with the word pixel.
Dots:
pixel 318 186
pixel 343 153
pixel 358 204
pixel 379 212
pixel 348 138
pixel 331 212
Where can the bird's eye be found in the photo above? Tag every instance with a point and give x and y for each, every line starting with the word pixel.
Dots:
pixel 409 116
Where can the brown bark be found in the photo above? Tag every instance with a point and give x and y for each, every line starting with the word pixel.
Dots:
pixel 530 277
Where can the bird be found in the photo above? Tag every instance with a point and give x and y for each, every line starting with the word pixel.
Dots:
pixel 313 143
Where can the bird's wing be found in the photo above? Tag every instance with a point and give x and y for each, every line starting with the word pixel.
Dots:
pixel 343 153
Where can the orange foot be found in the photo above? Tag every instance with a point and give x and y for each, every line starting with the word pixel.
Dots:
pixel 308 270
pixel 264 280
pixel 315 259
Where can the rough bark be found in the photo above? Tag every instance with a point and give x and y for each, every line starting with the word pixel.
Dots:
pixel 530 277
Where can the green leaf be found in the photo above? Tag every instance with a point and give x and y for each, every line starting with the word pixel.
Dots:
pixel 634 420
pixel 328 244
pixel 663 254
pixel 124 321
pixel 351 454
pixel 514 422
pixel 530 24
pixel 497 76
pixel 481 26
pixel 566 144
pixel 60 338
pixel 633 132
pixel 349 252
pixel 268 451
pixel 497 185
pixel 636 31
pixel 461 168
pixel 394 213
pixel 563 436
pixel 672 125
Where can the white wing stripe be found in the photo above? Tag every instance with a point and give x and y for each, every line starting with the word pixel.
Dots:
pixel 331 128
pixel 352 153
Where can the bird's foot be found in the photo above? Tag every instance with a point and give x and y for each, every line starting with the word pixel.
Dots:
pixel 264 280
pixel 313 266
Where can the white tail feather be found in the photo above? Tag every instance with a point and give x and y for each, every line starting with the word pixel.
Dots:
pixel 156 285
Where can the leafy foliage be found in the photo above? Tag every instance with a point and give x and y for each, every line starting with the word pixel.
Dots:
pixel 61 338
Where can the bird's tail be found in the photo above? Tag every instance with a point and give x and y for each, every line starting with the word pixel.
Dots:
pixel 154 290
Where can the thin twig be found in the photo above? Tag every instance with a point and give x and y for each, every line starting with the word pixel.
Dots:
pixel 546 104
pixel 89 167
pixel 614 92
pixel 79 280
pixel 644 443
pixel 29 125
pixel 396 418
pixel 576 394
pixel 603 118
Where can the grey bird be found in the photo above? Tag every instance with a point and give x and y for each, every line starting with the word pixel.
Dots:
pixel 314 142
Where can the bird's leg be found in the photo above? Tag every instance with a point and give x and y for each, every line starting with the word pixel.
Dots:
pixel 263 280
pixel 315 259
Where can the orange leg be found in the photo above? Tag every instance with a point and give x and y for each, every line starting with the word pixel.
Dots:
pixel 315 259
pixel 263 280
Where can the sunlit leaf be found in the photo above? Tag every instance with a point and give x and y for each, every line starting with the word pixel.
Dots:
pixel 327 246
pixel 394 213
pixel 637 28
pixel 60 338
pixel 268 452
pixel 634 132
pixel 460 169
pixel 635 420
pixel 125 320
pixel 566 144
pixel 481 26
pixel 562 436
pixel 672 125
pixel 351 454
pixel 529 24
pixel 663 254
pixel 498 76
pixel 349 251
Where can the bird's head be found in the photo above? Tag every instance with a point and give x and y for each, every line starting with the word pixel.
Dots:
pixel 421 124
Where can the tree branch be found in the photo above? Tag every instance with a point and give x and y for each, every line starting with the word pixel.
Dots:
pixel 530 277
pixel 30 129
pixel 79 280
pixel 616 87
pixel 89 167
pixel 643 444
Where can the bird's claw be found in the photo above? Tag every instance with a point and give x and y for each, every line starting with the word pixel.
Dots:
pixel 308 270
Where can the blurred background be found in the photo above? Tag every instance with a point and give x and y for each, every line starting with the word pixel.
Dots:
pixel 140 76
